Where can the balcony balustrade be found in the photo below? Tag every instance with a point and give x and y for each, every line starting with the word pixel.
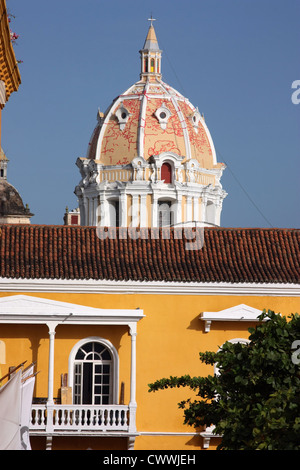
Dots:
pixel 51 419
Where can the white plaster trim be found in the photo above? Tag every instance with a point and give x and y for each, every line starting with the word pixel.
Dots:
pixel 147 287
pixel 240 312
pixel 210 140
pixel 142 121
pixel 207 436
pixel 115 363
pixel 111 110
pixel 36 310
pixel 183 124
pixel 166 433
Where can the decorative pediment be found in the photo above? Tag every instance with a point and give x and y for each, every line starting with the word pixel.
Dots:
pixel 240 312
pixel 28 309
pixel 163 114
pixel 122 115
pixel 158 160
pixel 195 118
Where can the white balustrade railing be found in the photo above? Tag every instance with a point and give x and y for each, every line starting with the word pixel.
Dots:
pixel 51 418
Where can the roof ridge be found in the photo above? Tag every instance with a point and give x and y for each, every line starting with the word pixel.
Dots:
pixel 82 227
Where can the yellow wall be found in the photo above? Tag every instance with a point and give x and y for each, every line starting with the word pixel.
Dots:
pixel 169 340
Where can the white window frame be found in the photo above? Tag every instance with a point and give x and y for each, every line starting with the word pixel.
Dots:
pixel 114 365
pixel 233 341
pixel 209 431
pixel 168 213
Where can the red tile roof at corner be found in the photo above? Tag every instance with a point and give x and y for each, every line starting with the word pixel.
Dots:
pixel 231 255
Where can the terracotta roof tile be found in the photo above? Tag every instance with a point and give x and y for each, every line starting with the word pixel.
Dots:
pixel 227 255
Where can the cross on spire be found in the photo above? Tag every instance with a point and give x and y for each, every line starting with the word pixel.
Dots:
pixel 151 54
pixel 151 19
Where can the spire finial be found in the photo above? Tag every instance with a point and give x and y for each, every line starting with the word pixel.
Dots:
pixel 151 19
pixel 151 54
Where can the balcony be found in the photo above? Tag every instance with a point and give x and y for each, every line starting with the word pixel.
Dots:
pixel 52 419
pixel 65 419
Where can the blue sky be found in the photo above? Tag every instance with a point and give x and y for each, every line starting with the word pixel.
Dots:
pixel 234 59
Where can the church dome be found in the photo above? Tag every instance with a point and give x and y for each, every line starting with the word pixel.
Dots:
pixel 11 204
pixel 151 160
pixel 150 118
pixel 12 209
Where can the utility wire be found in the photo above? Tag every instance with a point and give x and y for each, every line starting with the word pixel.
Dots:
pixel 173 70
pixel 245 192
pixel 229 168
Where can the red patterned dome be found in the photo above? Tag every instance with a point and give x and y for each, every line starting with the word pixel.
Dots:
pixel 151 118
pixel 151 160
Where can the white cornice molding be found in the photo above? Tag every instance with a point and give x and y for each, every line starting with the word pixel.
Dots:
pixel 91 286
pixel 238 313
pixel 31 310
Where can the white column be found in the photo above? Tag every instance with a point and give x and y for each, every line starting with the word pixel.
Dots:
pixel 154 211
pixel 104 211
pixel 189 207
pixel 51 327
pixel 143 211
pixel 218 210
pixel 95 205
pixel 196 208
pixel 132 403
pixel 178 210
pixel 203 209
pixel 92 211
pixel 123 210
pixel 135 210
pixel 48 442
pixel 85 211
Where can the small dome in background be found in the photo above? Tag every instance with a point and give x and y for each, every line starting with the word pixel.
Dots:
pixel 12 209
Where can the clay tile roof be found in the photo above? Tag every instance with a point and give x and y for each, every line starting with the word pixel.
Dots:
pixel 231 255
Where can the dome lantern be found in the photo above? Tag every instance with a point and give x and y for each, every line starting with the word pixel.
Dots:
pixel 150 55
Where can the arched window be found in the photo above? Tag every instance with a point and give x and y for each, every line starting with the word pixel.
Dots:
pixel 165 214
pixel 210 212
pixel 152 65
pixel 114 213
pixel 93 363
pixel 234 340
pixel 166 173
pixel 146 65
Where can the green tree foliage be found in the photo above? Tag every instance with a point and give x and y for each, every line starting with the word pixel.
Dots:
pixel 254 400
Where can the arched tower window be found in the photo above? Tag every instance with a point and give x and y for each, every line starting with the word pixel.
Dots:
pixel 166 172
pixel 114 210
pixel 165 214
pixel 152 66
pixel 93 373
pixel 146 64
pixel 210 212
